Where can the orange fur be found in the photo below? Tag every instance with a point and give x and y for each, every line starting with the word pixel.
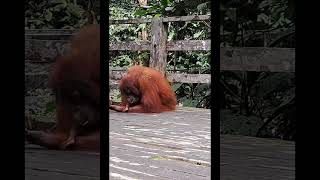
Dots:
pixel 80 67
pixel 156 93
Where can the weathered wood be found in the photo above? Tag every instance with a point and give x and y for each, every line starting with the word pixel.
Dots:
pixel 257 59
pixel 132 46
pixel 189 78
pixel 187 18
pixel 244 157
pixel 128 21
pixel 49 34
pixel 158 54
pixel 189 45
pixel 48 31
pixel 43 164
pixel 173 145
pixel 165 19
pixel 113 84
pixel 116 75
pixel 45 50
pixel 176 145
pixel 183 45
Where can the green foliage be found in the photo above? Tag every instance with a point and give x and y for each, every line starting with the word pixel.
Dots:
pixel 48 14
pixel 193 95
pixel 50 107
pixel 174 8
pixel 237 18
pixel 121 61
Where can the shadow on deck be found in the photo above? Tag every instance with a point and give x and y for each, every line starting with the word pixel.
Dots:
pixel 173 145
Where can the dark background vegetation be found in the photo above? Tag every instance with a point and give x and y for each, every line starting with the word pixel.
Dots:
pixel 261 103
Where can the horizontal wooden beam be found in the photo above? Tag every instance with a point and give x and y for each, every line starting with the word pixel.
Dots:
pixel 165 19
pixel 48 31
pixel 231 58
pixel 49 34
pixel 187 18
pixel 257 59
pixel 128 21
pixel 189 45
pixel 183 45
pixel 130 46
pixel 189 78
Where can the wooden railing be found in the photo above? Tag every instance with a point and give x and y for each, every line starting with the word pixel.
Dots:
pixel 231 58
pixel 42 46
pixel 159 46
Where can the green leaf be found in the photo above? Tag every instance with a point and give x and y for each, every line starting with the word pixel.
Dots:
pixel 198 34
pixel 140 12
pixel 75 10
pixel 59 7
pixel 202 6
pixel 176 86
pixel 164 3
pixel 157 15
pixel 48 16
pixel 189 103
pixel 50 107
pixel 142 26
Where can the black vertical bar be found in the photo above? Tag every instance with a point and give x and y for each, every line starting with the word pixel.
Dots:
pixel 104 68
pixel 215 78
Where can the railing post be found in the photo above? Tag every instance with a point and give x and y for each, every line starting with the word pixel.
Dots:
pixel 158 52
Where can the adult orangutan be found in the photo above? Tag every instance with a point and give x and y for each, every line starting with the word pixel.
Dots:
pixel 75 80
pixel 145 90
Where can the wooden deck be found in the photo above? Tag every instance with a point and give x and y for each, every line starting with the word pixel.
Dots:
pixel 174 145
pixel 256 158
pixel 42 164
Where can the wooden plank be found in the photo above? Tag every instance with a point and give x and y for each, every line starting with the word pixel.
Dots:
pixel 189 78
pixel 187 18
pixel 189 45
pixel 244 157
pixel 52 165
pixel 132 46
pixel 165 19
pixel 183 45
pixel 117 75
pixel 128 21
pixel 48 31
pixel 49 34
pixel 257 59
pixel 158 52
